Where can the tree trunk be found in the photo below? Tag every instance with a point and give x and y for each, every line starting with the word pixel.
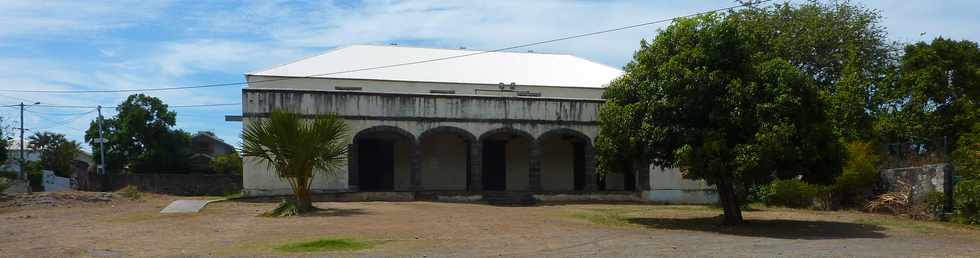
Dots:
pixel 729 202
pixel 304 199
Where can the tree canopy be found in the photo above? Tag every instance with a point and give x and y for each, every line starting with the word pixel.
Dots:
pixel 708 96
pixel 140 138
pixel 57 152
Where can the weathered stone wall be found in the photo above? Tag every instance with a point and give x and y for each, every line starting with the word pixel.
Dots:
pixel 413 115
pixel 924 179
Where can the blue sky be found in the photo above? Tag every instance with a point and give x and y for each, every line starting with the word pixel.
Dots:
pixel 69 45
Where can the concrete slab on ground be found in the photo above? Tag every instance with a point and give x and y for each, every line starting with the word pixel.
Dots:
pixel 185 206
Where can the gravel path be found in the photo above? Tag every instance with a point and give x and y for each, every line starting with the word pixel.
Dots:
pixel 136 228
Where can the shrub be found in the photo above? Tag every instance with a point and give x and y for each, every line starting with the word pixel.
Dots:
pixel 934 203
pixel 966 157
pixel 793 193
pixel 859 173
pixel 130 191
pixel 8 175
pixel 229 163
pixel 35 176
pixel 967 197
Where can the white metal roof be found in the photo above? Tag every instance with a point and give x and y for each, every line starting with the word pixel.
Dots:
pixel 522 68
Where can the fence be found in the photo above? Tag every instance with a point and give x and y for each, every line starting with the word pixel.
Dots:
pixel 175 184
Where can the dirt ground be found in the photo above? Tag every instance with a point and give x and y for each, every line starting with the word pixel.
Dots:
pixel 91 227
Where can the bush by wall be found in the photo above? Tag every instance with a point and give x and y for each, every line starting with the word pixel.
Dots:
pixel 794 193
pixel 967 197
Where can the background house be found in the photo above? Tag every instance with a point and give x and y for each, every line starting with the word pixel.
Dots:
pixel 206 147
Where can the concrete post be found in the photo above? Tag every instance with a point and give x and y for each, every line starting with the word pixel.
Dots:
pixel 352 172
pixel 415 167
pixel 590 169
pixel 641 171
pixel 476 166
pixel 534 166
pixel 643 177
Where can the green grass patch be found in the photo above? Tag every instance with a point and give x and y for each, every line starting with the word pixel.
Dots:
pixel 324 245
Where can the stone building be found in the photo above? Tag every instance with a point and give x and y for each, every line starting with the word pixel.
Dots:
pixel 484 123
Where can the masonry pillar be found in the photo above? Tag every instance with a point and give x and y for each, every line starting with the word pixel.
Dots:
pixel 352 177
pixel 476 166
pixel 590 168
pixel 415 167
pixel 534 166
pixel 642 172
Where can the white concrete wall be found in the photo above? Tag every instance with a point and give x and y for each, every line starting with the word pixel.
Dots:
pixel 518 166
pixel 668 186
pixel 557 164
pixel 444 162
pixel 419 87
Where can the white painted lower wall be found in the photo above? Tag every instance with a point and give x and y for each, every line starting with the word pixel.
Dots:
pixel 668 186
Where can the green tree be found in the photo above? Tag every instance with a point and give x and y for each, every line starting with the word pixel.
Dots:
pixel 296 148
pixel 967 155
pixel 936 93
pixel 57 152
pixel 229 163
pixel 140 138
pixel 842 46
pixel 708 97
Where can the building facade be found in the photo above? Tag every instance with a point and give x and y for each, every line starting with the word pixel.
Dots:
pixel 471 123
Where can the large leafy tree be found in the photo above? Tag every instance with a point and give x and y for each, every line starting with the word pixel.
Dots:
pixel 295 148
pixel 140 138
pixel 57 152
pixel 936 93
pixel 707 96
pixel 841 46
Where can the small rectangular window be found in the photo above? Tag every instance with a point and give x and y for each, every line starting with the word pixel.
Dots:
pixel 443 91
pixel 347 88
pixel 529 94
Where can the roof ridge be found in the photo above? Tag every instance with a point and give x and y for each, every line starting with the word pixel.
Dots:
pixel 461 49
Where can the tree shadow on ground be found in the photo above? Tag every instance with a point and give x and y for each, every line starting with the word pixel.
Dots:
pixel 334 212
pixel 770 228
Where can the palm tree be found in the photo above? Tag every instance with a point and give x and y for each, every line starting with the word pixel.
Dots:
pixel 296 148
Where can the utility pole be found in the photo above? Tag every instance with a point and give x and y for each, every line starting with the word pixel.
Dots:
pixel 23 172
pixel 101 144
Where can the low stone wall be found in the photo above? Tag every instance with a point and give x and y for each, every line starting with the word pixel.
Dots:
pixel 175 184
pixel 924 179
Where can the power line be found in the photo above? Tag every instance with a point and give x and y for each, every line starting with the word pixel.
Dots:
pixel 398 64
pixel 169 106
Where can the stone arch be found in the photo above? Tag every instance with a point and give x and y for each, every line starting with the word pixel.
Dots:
pixel 448 130
pixel 509 130
pixel 388 158
pixel 561 132
pixel 557 173
pixel 509 163
pixel 386 129
pixel 449 163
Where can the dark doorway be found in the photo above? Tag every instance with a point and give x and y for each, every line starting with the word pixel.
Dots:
pixel 376 164
pixel 494 165
pixel 579 165
pixel 629 181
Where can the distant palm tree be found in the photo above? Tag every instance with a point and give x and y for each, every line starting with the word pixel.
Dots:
pixel 296 147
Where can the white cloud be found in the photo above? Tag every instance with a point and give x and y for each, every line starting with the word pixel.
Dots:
pixel 33 19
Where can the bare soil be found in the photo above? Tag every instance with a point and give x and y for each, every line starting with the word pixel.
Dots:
pixel 124 227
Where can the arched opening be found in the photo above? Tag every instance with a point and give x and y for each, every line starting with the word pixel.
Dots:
pixel 506 160
pixel 446 158
pixel 565 159
pixel 382 159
